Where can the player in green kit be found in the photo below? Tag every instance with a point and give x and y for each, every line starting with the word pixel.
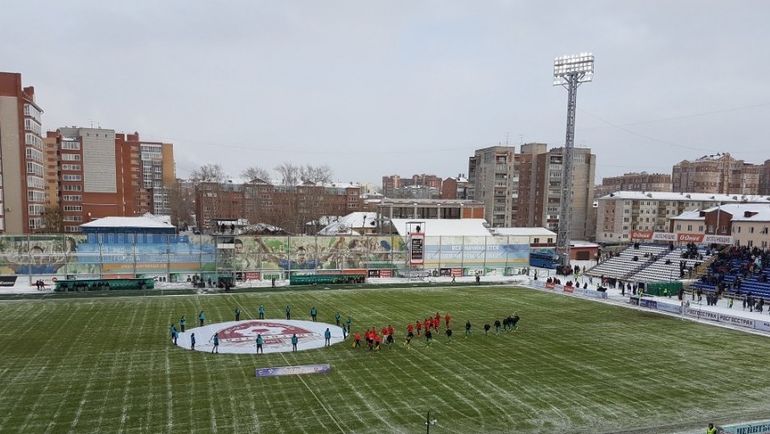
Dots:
pixel 261 311
pixel 337 318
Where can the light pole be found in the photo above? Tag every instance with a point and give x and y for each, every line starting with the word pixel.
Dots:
pixel 429 422
pixel 569 72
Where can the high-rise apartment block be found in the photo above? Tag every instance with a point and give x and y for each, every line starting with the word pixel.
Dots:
pixel 524 189
pixel 493 180
pixel 418 186
pixel 717 173
pixel 634 182
pixel 764 179
pixel 22 184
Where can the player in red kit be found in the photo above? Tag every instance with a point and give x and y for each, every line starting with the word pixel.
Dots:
pixel 419 326
pixel 447 317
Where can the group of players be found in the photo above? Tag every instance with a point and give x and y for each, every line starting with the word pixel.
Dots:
pixel 427 328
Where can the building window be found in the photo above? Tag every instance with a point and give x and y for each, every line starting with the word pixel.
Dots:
pixel 70 157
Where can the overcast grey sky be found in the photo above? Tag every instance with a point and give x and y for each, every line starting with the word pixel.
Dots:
pixel 374 88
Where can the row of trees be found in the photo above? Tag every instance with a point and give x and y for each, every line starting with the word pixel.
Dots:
pixel 288 173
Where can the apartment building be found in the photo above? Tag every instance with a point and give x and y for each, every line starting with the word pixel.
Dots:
pixel 22 171
pixel 493 180
pixel 716 173
pixel 634 182
pixel 620 213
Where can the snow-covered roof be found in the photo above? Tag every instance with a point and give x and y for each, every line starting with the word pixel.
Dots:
pixel 698 197
pixel 757 212
pixel 353 223
pixel 445 227
pixel 524 232
pixel 582 244
pixel 689 215
pixel 128 222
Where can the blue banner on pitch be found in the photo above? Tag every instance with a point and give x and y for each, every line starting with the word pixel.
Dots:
pixel 293 370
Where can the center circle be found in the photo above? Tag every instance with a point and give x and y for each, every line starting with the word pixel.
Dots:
pixel 240 337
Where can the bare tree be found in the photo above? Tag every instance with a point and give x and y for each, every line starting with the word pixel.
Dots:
pixel 289 173
pixel 254 174
pixel 316 174
pixel 53 220
pixel 208 173
pixel 181 204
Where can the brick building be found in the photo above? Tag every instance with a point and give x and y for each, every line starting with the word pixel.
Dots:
pixel 22 184
pixel 717 173
pixel 95 173
pixel 634 182
pixel 289 207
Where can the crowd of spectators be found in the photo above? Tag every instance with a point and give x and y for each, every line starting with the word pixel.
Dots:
pixel 742 262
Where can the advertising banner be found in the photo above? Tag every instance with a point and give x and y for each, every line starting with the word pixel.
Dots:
pixel 416 248
pixel 673 308
pixel 457 272
pixel 718 239
pixel 701 314
pixel 663 236
pixel 374 273
pixel 756 427
pixel 7 280
pixel 569 289
pixel 293 370
pixel 386 273
pixel 762 325
pixel 646 302
pixel 251 275
pixel 590 293
pixel 690 238
pixel 735 320
pixel 641 235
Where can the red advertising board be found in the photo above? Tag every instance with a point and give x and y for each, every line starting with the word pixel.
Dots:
pixel 641 235
pixel 690 238
pixel 457 272
pixel 386 273
pixel 252 275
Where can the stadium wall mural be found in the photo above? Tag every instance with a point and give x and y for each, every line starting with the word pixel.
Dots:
pixel 176 257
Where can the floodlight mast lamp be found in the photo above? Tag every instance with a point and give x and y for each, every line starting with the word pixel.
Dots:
pixel 569 72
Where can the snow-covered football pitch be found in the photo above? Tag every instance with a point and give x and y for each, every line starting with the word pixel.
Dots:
pixel 107 365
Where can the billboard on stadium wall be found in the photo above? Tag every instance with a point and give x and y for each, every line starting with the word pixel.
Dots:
pixel 756 427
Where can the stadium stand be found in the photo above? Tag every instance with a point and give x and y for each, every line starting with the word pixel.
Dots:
pixel 738 270
pixel 653 263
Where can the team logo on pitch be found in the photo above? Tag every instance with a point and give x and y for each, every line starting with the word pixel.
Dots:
pixel 274 333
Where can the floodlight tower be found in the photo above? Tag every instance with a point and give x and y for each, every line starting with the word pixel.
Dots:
pixel 569 72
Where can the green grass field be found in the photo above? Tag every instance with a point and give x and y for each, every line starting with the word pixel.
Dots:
pixel 105 365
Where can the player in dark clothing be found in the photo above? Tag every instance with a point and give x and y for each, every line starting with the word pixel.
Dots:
pixel 497 326
pixel 260 341
pixel 216 344
pixel 428 337
pixel 288 312
pixel 514 321
pixel 237 314
pixel 201 318
pixel 468 328
pixel 192 341
pixel 327 337
pixel 313 313
pixel 337 318
pixel 448 335
pixel 294 342
pixel 182 322
pixel 486 329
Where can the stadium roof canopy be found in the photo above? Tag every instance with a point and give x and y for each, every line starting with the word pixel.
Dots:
pixel 145 222
pixel 445 227
pixel 524 232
